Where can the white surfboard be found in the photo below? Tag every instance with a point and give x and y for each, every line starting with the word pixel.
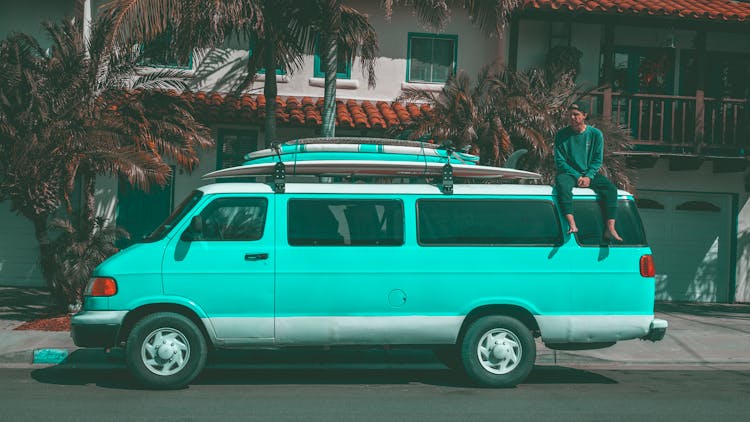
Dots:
pixel 373 168
pixel 361 145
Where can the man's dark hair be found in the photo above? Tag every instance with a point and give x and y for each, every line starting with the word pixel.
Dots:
pixel 580 106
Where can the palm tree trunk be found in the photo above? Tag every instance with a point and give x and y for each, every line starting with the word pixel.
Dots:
pixel 270 91
pixel 329 96
pixel 329 40
pixel 86 215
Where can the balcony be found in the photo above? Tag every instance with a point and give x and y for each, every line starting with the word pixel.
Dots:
pixel 698 125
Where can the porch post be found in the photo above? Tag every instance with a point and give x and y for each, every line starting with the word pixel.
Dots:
pixel 501 54
pixel 700 83
pixel 513 44
pixel 608 50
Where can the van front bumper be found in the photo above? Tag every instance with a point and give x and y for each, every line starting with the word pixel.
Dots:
pixel 657 330
pixel 96 328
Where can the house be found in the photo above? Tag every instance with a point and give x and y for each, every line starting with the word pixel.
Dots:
pixel 673 72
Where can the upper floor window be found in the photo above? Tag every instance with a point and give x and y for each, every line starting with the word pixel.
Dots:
pixel 161 52
pixel 431 58
pixel 343 64
pixel 725 74
pixel 642 70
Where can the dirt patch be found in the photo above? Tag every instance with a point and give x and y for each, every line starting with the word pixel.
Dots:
pixel 61 323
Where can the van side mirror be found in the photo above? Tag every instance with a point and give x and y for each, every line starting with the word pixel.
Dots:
pixel 194 230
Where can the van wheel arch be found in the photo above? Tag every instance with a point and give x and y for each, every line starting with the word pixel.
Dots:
pixel 139 313
pixel 513 311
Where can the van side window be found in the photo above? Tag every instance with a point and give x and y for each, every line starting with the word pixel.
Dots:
pixel 234 219
pixel 487 222
pixel 590 220
pixel 350 222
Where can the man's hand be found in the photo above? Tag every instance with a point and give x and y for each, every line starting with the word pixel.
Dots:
pixel 584 182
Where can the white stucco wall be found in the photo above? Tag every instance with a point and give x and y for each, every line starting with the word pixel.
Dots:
pixel 474 51
pixel 742 290
pixel 19 252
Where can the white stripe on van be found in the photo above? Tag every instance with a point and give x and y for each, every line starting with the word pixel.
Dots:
pixel 368 330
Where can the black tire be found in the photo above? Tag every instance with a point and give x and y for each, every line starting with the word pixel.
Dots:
pixel 171 368
pixel 509 357
pixel 449 355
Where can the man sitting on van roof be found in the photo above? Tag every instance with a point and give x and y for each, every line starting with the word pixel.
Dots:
pixel 579 153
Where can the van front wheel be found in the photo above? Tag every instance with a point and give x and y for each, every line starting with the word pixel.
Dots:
pixel 498 351
pixel 165 350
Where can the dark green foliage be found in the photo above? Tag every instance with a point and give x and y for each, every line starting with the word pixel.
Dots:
pixel 73 112
pixel 503 111
pixel 75 253
pixel 562 60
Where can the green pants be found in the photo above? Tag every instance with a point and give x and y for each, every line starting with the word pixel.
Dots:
pixel 599 184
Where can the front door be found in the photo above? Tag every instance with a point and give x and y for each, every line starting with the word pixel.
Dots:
pixel 227 266
pixel 140 212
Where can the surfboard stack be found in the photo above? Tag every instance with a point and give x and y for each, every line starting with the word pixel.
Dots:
pixel 366 157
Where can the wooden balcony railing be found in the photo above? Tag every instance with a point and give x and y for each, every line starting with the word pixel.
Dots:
pixel 697 124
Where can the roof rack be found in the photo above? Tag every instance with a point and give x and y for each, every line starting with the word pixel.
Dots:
pixel 366 157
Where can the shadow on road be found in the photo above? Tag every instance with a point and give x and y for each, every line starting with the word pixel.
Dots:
pixel 119 378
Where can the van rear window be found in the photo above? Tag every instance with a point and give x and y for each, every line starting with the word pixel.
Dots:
pixel 589 217
pixel 487 222
pixel 355 222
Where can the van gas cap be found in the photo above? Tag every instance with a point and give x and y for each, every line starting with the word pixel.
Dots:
pixel 397 298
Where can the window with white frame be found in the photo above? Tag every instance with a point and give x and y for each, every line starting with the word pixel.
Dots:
pixel 431 58
pixel 343 64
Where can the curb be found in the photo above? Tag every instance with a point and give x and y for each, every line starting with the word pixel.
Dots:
pixel 49 356
pixel 72 358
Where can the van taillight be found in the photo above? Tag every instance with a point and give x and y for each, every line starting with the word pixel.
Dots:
pixel 647 266
pixel 102 287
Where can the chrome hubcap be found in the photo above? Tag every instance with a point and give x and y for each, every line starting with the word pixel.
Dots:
pixel 499 351
pixel 165 351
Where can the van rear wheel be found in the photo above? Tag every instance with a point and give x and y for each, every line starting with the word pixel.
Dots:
pixel 498 351
pixel 165 350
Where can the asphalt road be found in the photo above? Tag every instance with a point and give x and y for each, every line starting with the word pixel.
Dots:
pixel 551 393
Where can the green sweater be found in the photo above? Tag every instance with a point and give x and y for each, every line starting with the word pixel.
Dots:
pixel 579 154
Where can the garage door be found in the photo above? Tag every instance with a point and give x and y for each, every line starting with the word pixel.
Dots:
pixel 19 252
pixel 690 235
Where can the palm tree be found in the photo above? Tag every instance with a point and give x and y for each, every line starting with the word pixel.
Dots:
pixel 281 33
pixel 490 16
pixel 504 111
pixel 483 116
pixel 79 110
pixel 340 28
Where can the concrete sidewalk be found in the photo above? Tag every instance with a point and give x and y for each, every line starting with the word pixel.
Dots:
pixel 699 335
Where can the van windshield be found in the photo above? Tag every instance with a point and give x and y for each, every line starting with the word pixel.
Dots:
pixel 185 206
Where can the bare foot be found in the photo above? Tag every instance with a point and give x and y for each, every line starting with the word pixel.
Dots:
pixel 612 232
pixel 571 223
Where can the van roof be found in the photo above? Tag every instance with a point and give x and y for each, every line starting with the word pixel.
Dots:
pixel 408 189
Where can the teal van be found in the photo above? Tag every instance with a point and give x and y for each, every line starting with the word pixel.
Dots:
pixel 476 275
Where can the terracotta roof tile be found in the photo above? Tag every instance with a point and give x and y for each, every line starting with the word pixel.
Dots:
pixel 213 107
pixel 712 10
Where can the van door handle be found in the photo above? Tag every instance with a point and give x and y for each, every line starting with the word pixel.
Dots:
pixel 255 256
